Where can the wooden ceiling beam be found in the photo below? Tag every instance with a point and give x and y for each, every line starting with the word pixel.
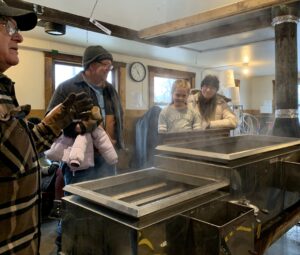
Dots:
pixel 211 15
pixel 53 15
pixel 243 25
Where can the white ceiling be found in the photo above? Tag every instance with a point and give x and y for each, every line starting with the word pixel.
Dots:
pixel 257 46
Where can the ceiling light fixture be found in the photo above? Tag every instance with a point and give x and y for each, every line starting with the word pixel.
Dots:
pixel 100 26
pixel 245 68
pixel 227 78
pixel 52 28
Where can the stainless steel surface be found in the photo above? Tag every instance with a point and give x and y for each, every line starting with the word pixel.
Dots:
pixel 292 176
pixel 145 221
pixel 88 229
pixel 220 228
pixel 173 208
pixel 146 191
pixel 265 179
pixel 229 148
pixel 192 167
pixel 192 229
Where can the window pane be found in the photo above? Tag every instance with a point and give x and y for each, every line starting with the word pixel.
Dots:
pixel 162 91
pixel 65 72
pixel 109 77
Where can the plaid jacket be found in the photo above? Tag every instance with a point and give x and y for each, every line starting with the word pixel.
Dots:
pixel 20 142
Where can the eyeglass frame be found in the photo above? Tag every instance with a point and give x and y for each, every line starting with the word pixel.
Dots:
pixel 110 66
pixel 210 87
pixel 10 27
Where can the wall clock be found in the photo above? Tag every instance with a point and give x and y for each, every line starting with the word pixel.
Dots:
pixel 137 71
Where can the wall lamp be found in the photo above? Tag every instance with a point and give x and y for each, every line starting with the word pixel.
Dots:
pixel 52 28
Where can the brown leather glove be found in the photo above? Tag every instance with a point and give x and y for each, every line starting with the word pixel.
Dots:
pixel 75 107
pixel 94 120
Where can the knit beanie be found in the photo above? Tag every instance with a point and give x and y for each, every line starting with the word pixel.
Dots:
pixel 93 53
pixel 211 80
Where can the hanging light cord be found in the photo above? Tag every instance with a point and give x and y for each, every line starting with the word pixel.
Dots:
pixel 96 2
pixel 96 23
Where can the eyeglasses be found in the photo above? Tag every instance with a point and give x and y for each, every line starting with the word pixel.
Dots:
pixel 11 28
pixel 106 65
pixel 210 87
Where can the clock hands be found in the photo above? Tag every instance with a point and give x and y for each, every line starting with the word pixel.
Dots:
pixel 138 71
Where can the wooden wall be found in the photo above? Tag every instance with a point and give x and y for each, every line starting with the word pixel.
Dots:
pixel 40 113
pixel 126 156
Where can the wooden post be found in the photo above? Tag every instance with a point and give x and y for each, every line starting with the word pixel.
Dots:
pixel 286 72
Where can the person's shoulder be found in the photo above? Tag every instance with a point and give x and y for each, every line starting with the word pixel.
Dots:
pixel 110 90
pixel 193 97
pixel 109 84
pixel 222 99
pixel 74 84
pixel 72 81
pixel 191 109
pixel 109 87
pixel 166 110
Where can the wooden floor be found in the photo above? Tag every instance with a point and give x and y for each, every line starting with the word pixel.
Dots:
pixel 288 244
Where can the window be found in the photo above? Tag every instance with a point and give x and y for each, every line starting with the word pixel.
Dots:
pixel 60 67
pixel 162 91
pixel 160 84
pixel 64 72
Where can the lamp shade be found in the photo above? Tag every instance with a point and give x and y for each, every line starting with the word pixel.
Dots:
pixel 234 94
pixel 227 79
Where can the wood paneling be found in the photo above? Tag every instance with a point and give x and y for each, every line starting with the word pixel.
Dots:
pixel 126 156
pixel 252 111
pixel 40 113
pixel 121 76
pixel 49 88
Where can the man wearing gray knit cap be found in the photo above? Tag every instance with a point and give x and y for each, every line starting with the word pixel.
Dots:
pixel 97 62
pixel 95 54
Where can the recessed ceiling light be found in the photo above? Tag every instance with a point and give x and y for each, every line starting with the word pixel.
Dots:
pixel 52 28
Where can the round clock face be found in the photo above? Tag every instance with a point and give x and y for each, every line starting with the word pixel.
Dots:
pixel 137 71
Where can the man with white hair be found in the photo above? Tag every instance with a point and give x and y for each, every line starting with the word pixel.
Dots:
pixel 21 141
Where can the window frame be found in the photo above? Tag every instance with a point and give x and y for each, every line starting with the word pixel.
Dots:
pixel 167 73
pixel 50 60
pixel 118 74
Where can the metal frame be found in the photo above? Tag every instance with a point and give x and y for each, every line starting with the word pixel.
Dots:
pixel 271 143
pixel 101 191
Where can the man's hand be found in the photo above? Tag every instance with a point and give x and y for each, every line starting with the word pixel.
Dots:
pixel 79 105
pixel 75 107
pixel 87 125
